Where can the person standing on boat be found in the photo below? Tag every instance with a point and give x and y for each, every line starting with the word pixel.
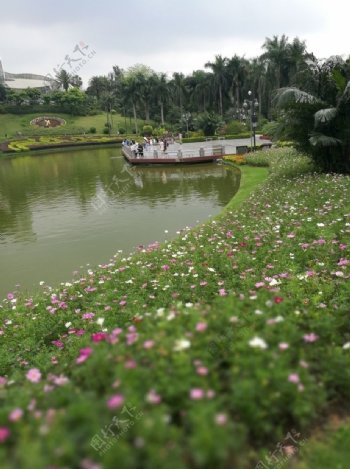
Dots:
pixel 161 145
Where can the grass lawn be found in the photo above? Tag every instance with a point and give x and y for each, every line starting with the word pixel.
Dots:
pixel 224 348
pixel 11 123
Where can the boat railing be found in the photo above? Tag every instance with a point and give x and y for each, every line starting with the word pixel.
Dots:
pixel 180 153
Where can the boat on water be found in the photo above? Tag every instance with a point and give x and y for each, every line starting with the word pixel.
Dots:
pixel 180 156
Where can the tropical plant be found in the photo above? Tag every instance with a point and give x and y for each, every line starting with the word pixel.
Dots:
pixel 220 77
pixel 321 128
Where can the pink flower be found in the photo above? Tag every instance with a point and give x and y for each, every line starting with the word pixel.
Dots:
pixel 294 378
pixel 115 401
pixel 58 343
pixel 221 419
pixel 84 354
pixel 310 273
pixel 88 315
pixel 4 434
pixel 122 303
pixel 259 284
pixel 16 415
pixel 343 261
pixel 165 267
pixel 196 394
pixel 202 370
pixel 98 336
pixel 278 299
pixel 201 326
pixel 312 337
pixel 34 375
pixel 153 398
pixel 10 296
pixel 229 234
pixel 148 344
pixel 203 283
pixel 283 346
pixel 222 292
pixel 131 338
pixel 210 394
pixel 130 364
pixel 3 380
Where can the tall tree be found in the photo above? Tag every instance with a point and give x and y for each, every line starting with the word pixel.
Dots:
pixel 161 93
pixel 277 55
pixel 219 71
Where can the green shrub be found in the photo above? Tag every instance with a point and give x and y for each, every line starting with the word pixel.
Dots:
pixel 147 130
pixel 92 130
pixel 235 127
pixel 122 131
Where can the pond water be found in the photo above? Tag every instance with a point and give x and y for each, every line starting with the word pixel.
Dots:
pixel 61 212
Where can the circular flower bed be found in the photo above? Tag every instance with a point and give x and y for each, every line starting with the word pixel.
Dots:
pixel 48 122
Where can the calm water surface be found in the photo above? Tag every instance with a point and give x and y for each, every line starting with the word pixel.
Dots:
pixel 62 211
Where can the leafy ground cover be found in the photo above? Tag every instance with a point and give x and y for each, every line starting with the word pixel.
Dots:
pixel 222 348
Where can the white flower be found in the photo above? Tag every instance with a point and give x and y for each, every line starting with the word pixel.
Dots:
pixel 188 305
pixel 257 342
pixel 181 344
pixel 211 269
pixel 346 346
pixel 274 282
pixel 100 321
pixel 68 324
pixel 320 224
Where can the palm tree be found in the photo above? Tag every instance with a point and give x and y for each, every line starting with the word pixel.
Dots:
pixel 277 54
pixel 219 71
pixel 237 68
pixel 97 85
pixel 63 79
pixel 131 92
pixel 179 84
pixel 319 127
pixel 200 86
pixel 161 93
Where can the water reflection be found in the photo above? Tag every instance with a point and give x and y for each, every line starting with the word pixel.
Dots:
pixel 67 209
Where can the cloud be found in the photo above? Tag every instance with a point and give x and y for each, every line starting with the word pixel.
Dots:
pixel 172 35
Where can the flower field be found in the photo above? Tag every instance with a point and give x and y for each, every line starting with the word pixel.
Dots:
pixel 223 348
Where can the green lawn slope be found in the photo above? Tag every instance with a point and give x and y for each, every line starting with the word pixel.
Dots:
pixel 10 124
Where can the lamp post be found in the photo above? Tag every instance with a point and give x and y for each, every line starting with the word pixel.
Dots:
pixel 186 117
pixel 251 105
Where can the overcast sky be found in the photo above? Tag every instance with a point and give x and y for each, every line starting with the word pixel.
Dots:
pixel 39 36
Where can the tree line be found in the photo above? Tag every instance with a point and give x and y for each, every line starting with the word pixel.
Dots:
pixel 306 98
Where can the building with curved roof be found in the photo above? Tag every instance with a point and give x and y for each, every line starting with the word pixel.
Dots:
pixel 22 81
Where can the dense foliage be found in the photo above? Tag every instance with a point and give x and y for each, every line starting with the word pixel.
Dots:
pixel 319 123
